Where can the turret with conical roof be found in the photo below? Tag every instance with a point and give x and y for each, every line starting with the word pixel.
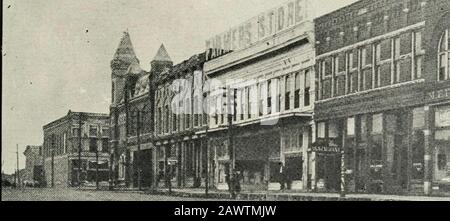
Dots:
pixel 161 61
pixel 124 60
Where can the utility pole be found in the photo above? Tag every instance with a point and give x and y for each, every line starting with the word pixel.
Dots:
pixel 207 147
pixel 343 169
pixel 230 111
pixel 53 160
pixel 18 170
pixel 79 150
pixel 96 161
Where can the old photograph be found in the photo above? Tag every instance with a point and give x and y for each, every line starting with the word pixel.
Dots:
pixel 226 100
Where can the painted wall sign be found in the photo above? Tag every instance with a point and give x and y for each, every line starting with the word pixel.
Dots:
pixel 258 28
pixel 438 94
pixel 321 146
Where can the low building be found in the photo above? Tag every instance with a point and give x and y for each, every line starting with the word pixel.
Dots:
pixel 34 165
pixel 74 147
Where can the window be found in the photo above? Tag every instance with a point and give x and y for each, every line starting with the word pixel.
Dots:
pixel 351 126
pixel 326 89
pixel 297 91
pixel 300 140
pixel 366 55
pixel 105 145
pixel 307 88
pixel 327 66
pixel 92 131
pixel 321 130
pixel 377 124
pixel 105 132
pixel 92 145
pixel 287 95
pixel 196 111
pixel 269 97
pixel 166 121
pixel 383 76
pixel 442 161
pixel 444 56
pixel 403 44
pixel 367 78
pixel 340 85
pixel 248 92
pixel 340 63
pixel 188 113
pixel 159 120
pixel 174 122
pixel 384 49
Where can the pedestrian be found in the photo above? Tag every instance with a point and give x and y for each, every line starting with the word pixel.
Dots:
pixel 282 176
pixel 237 183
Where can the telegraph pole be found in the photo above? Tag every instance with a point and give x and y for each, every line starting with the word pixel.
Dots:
pixel 207 149
pixel 343 169
pixel 96 163
pixel 18 170
pixel 53 160
pixel 79 150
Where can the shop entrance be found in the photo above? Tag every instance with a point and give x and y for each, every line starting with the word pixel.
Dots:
pixel 328 172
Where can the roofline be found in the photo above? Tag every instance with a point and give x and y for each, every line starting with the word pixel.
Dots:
pixel 89 114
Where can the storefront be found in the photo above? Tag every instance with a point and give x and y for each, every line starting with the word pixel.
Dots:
pixel 438 100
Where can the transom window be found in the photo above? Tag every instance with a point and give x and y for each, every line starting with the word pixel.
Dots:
pixel 444 56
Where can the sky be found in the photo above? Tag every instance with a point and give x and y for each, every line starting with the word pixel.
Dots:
pixel 56 53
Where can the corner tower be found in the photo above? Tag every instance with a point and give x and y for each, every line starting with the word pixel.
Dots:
pixel 161 61
pixel 123 59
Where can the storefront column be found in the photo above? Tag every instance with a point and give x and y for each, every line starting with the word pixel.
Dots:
pixel 428 176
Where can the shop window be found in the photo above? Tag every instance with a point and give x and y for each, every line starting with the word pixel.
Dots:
pixel 377 124
pixel 321 130
pixel 444 57
pixel 441 161
pixel 442 116
pixel 362 128
pixel 419 117
pixel 351 126
pixel 418 153
pixel 333 130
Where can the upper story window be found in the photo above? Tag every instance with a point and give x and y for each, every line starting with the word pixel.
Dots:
pixel 92 131
pixel 444 56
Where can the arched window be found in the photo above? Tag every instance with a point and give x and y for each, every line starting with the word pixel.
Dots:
pixel 444 56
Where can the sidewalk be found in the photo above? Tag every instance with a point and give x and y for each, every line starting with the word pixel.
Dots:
pixel 293 196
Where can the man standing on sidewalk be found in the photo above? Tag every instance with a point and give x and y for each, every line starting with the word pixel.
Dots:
pixel 282 176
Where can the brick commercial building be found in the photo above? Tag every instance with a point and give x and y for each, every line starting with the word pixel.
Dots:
pixel 74 137
pixel 180 124
pixel 131 115
pixel 34 169
pixel 262 98
pixel 383 96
